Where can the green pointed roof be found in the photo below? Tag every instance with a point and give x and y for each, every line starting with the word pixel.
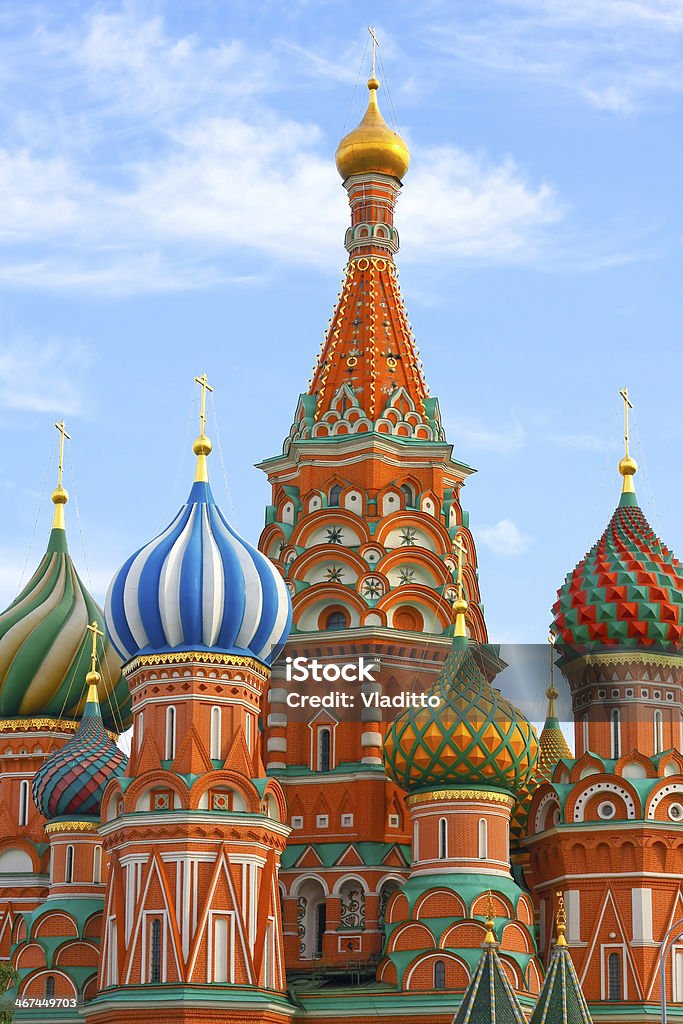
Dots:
pixel 44 650
pixel 473 737
pixel 561 1000
pixel 489 997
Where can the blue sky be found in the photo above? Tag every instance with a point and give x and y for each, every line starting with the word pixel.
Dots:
pixel 170 206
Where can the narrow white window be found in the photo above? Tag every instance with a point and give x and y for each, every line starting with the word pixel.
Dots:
pixel 170 733
pixel 112 954
pixel 416 840
pixel 268 957
pixel 324 744
pixel 659 733
pixel 585 733
pixel 139 724
pixel 215 734
pixel 69 870
pixel 248 725
pixel 615 721
pixel 97 865
pixel 443 838
pixel 23 802
pixel 220 949
pixel 483 839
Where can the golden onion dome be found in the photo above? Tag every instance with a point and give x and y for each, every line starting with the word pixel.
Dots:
pixel 372 146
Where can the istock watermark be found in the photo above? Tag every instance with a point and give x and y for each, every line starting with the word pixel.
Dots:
pixel 303 670
pixel 363 692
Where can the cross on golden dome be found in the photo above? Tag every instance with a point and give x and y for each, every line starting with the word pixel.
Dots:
pixel 93 677
pixel 460 603
pixel 561 920
pixel 628 467
pixel 60 496
pixel 202 445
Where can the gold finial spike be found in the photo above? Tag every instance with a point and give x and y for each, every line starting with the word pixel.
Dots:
pixel 93 677
pixel 628 467
pixel 552 693
pixel 202 445
pixel 60 496
pixel 460 603
pixel 375 45
pixel 561 920
pixel 489 938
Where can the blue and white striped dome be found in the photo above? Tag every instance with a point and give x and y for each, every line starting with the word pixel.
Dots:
pixel 198 586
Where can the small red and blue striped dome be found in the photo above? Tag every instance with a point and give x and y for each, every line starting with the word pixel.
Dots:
pixel 69 784
pixel 198 586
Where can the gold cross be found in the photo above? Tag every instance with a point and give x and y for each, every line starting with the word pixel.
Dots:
pixel 628 404
pixel 375 44
pixel 62 437
pixel 462 551
pixel 96 631
pixel 205 386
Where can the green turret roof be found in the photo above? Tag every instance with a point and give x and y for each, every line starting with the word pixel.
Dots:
pixel 44 646
pixel 489 997
pixel 561 1000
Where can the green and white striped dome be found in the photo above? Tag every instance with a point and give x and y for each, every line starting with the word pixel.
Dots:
pixel 44 649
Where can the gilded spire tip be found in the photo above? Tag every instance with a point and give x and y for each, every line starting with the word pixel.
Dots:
pixel 628 467
pixel 60 495
pixel 561 920
pixel 460 604
pixel 552 693
pixel 489 938
pixel 93 677
pixel 202 445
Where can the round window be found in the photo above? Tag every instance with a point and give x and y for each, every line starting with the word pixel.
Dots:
pixel 629 693
pixel 606 809
pixel 556 817
pixel 676 812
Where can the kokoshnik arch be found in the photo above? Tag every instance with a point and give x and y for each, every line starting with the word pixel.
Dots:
pixel 246 865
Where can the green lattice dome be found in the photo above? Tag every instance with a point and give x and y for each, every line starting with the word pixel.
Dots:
pixel 474 738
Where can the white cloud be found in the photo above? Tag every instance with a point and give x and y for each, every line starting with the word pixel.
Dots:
pixel 43 376
pixel 617 55
pixel 160 162
pixel 473 434
pixel 579 442
pixel 505 538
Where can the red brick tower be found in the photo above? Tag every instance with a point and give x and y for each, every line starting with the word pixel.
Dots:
pixel 608 827
pixel 194 831
pixel 365 508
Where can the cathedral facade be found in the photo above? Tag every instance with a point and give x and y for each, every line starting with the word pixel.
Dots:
pixel 416 855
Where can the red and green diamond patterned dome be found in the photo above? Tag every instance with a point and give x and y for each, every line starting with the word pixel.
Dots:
pixel 69 784
pixel 475 737
pixel 627 591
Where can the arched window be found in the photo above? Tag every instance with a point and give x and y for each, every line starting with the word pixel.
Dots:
pixel 659 732
pixel 97 865
pixel 408 495
pixel 155 952
pixel 335 495
pixel 50 987
pixel 614 976
pixel 336 620
pixel 69 870
pixel 170 733
pixel 443 838
pixel 23 802
pixel 215 734
pixel 139 727
pixel 324 742
pixel 439 975
pixel 483 833
pixel 615 722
